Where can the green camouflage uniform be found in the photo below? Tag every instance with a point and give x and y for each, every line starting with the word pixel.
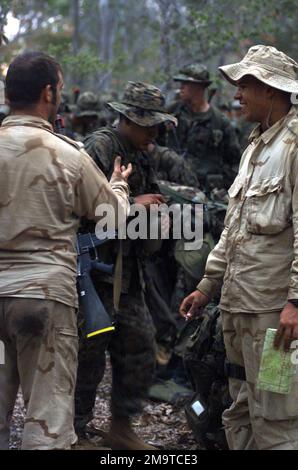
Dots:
pixel 132 346
pixel 86 115
pixel 170 166
pixel 207 139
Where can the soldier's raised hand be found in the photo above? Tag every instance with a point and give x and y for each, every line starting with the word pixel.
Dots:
pixel 121 172
pixel 150 199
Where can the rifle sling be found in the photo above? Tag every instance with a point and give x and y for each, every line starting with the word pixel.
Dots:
pixel 118 277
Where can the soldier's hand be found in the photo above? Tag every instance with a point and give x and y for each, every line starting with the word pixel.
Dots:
pixel 151 147
pixel 148 199
pixel 121 171
pixel 288 327
pixel 192 304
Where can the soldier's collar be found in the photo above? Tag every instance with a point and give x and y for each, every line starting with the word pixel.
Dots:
pixel 26 120
pixel 270 133
pixel 200 116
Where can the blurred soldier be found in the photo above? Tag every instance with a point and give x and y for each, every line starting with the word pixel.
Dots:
pixel 47 183
pixel 225 107
pixel 86 115
pixel 132 346
pixel 204 134
pixel 107 115
pixel 66 112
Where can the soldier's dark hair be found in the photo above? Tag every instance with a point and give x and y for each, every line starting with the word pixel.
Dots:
pixel 27 76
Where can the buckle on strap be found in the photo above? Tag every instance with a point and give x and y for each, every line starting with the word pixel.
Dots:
pixel 234 371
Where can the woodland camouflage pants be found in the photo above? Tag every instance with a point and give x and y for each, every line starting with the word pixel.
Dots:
pixel 40 339
pixel 132 353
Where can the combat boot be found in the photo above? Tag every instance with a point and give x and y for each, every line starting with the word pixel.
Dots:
pixel 122 437
pixel 85 443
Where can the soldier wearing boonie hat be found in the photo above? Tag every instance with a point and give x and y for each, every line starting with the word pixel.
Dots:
pixel 132 347
pixel 255 263
pixel 143 104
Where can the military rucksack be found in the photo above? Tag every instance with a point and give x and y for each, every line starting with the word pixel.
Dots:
pixel 202 346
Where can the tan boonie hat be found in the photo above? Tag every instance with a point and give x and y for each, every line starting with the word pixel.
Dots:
pixel 268 65
pixel 143 104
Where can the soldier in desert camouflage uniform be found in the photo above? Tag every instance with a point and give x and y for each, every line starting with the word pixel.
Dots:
pixel 255 263
pixel 47 183
pixel 132 346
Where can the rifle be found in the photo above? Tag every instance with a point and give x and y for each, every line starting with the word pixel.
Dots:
pixel 96 318
pixel 59 126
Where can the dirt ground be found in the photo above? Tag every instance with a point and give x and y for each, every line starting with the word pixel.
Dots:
pixel 161 425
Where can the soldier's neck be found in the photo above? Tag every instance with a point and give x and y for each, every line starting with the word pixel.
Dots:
pixel 199 105
pixel 35 112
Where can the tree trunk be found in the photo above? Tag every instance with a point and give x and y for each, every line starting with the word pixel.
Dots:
pixel 75 13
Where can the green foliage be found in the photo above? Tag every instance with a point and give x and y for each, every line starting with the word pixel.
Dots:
pixel 149 40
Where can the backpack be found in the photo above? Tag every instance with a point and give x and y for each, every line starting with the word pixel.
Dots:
pixel 202 346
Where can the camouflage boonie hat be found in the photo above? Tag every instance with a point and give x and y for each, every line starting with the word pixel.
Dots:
pixel 87 105
pixel 143 104
pixel 267 64
pixel 195 73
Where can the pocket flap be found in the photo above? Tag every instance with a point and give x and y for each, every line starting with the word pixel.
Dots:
pixel 265 186
pixel 236 187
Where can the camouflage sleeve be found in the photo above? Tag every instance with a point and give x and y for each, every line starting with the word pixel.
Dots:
pixel 174 168
pixel 92 189
pixel 153 187
pixel 100 148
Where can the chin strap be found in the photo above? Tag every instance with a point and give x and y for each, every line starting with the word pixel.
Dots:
pixel 269 114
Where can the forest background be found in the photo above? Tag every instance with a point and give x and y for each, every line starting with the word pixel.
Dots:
pixel 102 44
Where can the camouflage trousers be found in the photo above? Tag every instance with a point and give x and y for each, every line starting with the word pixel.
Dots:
pixel 257 419
pixel 40 341
pixel 132 354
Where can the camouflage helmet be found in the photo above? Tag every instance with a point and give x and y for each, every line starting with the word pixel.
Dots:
pixel 143 104
pixel 87 105
pixel 195 73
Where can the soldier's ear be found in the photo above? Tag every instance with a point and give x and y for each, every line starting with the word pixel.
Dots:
pixel 48 94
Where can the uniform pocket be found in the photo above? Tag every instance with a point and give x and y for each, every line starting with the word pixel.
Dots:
pixel 234 195
pixel 268 207
pixel 66 352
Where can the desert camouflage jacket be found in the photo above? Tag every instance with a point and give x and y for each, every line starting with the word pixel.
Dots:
pixel 47 183
pixel 256 258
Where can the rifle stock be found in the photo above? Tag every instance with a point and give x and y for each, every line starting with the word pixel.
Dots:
pixel 96 318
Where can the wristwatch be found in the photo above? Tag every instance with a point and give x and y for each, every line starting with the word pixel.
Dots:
pixel 294 302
